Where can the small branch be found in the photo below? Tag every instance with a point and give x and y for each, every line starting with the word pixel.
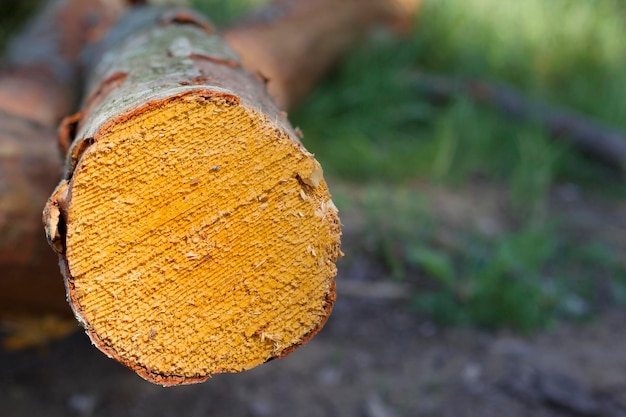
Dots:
pixel 603 143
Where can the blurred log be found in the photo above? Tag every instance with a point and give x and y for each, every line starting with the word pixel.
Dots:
pixel 37 88
pixel 603 143
pixel 196 234
pixel 293 43
pixel 30 280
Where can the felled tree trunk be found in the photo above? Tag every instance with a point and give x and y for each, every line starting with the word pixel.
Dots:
pixel 42 85
pixel 292 43
pixel 37 89
pixel 196 234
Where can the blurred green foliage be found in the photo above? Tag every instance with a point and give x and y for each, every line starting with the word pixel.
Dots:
pixel 367 124
pixel 569 52
pixel 13 13
pixel 498 285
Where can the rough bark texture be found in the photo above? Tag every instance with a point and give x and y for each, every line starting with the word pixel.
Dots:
pixel 292 43
pixel 37 88
pixel 195 233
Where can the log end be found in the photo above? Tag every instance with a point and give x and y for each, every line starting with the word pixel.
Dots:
pixel 200 238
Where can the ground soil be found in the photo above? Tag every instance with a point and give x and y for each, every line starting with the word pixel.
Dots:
pixel 375 358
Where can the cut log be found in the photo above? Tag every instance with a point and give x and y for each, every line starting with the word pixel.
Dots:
pixel 293 43
pixel 37 88
pixel 32 91
pixel 195 232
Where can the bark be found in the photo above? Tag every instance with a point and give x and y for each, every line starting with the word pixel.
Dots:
pixel 195 233
pixel 293 43
pixel 37 88
pixel 605 144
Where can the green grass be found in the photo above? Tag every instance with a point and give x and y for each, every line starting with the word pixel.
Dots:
pixel 528 278
pixel 567 51
pixel 492 285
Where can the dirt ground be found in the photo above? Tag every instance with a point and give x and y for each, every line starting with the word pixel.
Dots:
pixel 374 358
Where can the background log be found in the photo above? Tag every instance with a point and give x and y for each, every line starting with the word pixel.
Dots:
pixel 37 88
pixel 293 43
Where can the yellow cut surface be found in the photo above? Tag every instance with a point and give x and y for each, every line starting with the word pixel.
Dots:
pixel 200 239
